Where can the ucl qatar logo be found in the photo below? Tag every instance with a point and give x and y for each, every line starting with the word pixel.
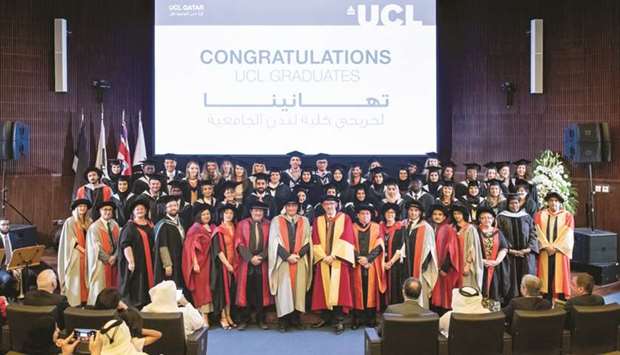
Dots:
pixel 386 15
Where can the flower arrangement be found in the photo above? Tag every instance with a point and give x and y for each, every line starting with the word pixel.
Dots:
pixel 550 174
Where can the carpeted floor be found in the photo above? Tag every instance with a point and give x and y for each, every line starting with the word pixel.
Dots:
pixel 299 342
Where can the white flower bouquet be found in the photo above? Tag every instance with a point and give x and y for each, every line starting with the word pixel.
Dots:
pixel 550 174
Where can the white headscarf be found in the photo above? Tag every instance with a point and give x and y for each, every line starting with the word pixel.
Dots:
pixel 121 344
pixel 163 298
pixel 468 301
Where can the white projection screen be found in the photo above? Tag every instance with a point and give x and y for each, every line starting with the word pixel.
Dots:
pixel 342 77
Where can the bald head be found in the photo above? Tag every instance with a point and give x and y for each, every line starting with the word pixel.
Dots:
pixel 46 281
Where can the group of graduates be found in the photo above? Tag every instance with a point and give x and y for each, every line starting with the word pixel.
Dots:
pixel 326 239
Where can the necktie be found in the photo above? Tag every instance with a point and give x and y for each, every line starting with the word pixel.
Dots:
pixel 8 252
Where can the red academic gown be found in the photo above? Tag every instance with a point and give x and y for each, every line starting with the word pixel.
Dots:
pixel 376 274
pixel 332 285
pixel 242 238
pixel 198 245
pixel 449 261
pixel 110 271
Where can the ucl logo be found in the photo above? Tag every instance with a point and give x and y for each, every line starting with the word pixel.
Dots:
pixel 386 15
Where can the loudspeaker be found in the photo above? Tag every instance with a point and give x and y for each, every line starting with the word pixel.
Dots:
pixel 14 140
pixel 536 56
pixel 603 273
pixel 60 55
pixel 595 246
pixel 587 142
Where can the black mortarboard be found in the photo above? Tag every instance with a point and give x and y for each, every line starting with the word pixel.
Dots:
pixel 198 208
pixel 555 194
pixel 484 209
pixel 521 182
pixel 91 169
pixel 439 207
pixel 447 183
pixel 124 178
pixel 102 204
pixel 228 185
pixel 298 189
pixel 472 166
pixel 364 207
pixel 292 198
pixel 432 155
pixel 494 182
pixel 390 181
pixel 295 153
pixel 256 204
pixel 170 156
pixel 360 186
pixel 432 169
pixel 207 182
pixel 473 183
pixel 340 167
pixel 136 169
pixel 390 206
pixel 355 164
pixel 377 170
pixel 501 164
pixel 307 168
pixel 512 197
pixel 418 177
pixel 167 198
pixel 460 208
pixel 521 162
pixel 259 161
pixel 328 198
pixel 449 164
pixel 261 176
pixel 140 201
pixel 275 169
pixel 178 184
pixel 81 201
pixel 114 162
pixel 491 165
pixel 414 203
pixel 149 162
pixel 321 156
pixel 227 206
pixel 329 185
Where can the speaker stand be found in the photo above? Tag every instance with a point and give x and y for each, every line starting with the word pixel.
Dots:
pixel 590 213
pixel 4 195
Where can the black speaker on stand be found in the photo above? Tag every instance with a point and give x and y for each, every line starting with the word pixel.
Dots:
pixel 14 145
pixel 595 250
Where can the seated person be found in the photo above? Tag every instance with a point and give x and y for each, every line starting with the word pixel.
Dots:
pixel 43 339
pixel 164 300
pixel 465 300
pixel 113 339
pixel 110 299
pixel 531 301
pixel 581 286
pixel 44 296
pixel 410 308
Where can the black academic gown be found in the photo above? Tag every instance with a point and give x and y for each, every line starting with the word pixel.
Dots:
pixel 269 200
pixel 280 194
pixel 471 203
pixel 122 212
pixel 134 286
pixel 166 234
pixel 518 228
pixel 423 197
pixel 499 285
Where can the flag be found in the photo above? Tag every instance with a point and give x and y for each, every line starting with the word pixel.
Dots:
pixel 139 155
pixel 124 154
pixel 102 157
pixel 81 155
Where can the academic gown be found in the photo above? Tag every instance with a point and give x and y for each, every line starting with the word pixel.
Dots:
pixel 495 280
pixel 289 283
pixel 449 261
pixel 134 286
pixel 518 229
pixel 223 283
pixel 94 194
pixel 122 213
pixel 331 285
pixel 280 194
pixel 198 246
pixel 556 229
pixel 369 285
pixel 168 235
pixel 393 242
pixel 420 258
pixel 190 193
pixel 72 264
pixel 252 281
pixel 266 198
pixel 471 256
pixel 140 184
pixel 425 199
pixel 102 243
pixel 497 207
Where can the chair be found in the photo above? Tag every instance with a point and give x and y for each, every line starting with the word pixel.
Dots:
pixel 538 332
pixel 20 319
pixel 479 334
pixel 404 335
pixel 173 340
pixel 86 318
pixel 595 329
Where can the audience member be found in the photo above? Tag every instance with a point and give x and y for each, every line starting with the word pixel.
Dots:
pixel 465 300
pixel 164 300
pixel 412 288
pixel 531 299
pixel 44 295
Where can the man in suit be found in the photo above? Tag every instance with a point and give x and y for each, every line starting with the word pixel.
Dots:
pixel 8 282
pixel 412 288
pixel 531 299
pixel 581 286
pixel 44 295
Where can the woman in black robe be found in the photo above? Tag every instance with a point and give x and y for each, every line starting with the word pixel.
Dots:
pixel 135 262
pixel 518 228
pixel 496 269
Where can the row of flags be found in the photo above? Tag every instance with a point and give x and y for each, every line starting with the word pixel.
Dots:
pixel 82 156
